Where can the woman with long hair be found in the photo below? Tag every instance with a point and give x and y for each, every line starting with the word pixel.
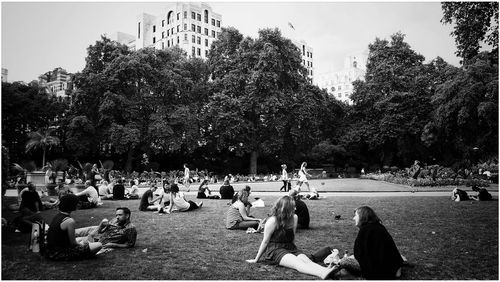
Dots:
pixel 374 247
pixel 278 246
pixel 238 213
pixel 178 200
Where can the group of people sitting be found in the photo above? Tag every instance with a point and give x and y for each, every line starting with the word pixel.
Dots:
pixel 166 199
pixel 375 253
pixel 481 194
pixel 65 242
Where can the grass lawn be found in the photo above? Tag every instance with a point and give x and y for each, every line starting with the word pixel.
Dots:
pixel 442 239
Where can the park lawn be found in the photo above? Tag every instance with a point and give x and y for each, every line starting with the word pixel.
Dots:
pixel 442 240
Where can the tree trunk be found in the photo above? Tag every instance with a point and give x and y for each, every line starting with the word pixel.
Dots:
pixel 253 162
pixel 43 158
pixel 128 164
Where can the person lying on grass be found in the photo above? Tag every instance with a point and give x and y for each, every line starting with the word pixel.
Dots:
pixel 238 213
pixel 278 246
pixel 374 248
pixel 61 240
pixel 117 233
pixel 180 203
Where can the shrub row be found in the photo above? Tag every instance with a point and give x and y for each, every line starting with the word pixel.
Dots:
pixel 420 182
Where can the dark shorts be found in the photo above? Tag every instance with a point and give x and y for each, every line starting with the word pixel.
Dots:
pixel 275 253
pixel 192 206
pixel 72 253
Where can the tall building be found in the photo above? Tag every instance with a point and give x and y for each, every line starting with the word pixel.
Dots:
pixel 190 26
pixel 56 82
pixel 5 74
pixel 289 31
pixel 307 56
pixel 339 83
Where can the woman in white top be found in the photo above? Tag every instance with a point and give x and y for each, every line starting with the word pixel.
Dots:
pixel 178 200
pixel 186 183
pixel 284 178
pixel 303 179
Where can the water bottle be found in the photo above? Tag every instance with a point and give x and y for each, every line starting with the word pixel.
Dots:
pixel 36 242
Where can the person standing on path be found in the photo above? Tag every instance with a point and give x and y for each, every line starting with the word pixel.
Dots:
pixel 186 178
pixel 284 177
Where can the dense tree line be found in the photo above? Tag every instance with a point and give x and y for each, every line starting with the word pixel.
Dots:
pixel 250 106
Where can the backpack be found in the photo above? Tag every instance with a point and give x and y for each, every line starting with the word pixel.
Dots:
pixel 38 238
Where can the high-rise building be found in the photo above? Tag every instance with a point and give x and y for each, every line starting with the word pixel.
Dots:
pixel 289 31
pixel 307 56
pixel 5 74
pixel 339 83
pixel 56 82
pixel 190 26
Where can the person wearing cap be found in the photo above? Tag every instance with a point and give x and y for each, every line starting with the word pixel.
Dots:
pixel 61 239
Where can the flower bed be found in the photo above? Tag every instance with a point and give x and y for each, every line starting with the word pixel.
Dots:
pixel 400 178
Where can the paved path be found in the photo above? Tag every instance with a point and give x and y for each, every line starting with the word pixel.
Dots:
pixel 335 187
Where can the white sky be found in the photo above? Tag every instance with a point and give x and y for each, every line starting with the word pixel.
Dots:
pixel 40 36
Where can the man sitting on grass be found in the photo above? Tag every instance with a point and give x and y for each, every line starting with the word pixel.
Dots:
pixel 117 233
pixel 89 198
pixel 149 201
pixel 29 208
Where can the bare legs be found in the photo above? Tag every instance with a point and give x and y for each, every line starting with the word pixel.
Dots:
pixel 303 264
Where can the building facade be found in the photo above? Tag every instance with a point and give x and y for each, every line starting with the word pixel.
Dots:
pixel 307 57
pixel 339 83
pixel 5 74
pixel 56 82
pixel 190 26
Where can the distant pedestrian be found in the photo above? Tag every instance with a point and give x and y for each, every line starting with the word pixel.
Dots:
pixel 286 180
pixel 303 174
pixel 186 181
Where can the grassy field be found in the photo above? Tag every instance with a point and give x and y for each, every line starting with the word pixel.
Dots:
pixel 442 240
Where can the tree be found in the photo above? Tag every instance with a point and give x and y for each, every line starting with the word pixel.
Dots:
pixel 465 112
pixel 391 107
pixel 256 86
pixel 41 140
pixel 26 109
pixel 475 23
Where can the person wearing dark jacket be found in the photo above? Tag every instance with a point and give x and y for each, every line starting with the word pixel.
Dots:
pixel 374 248
pixel 226 190
pixel 119 191
pixel 301 211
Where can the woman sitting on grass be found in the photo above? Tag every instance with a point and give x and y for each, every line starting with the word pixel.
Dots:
pixel 178 200
pixel 238 213
pixel 374 247
pixel 278 246
pixel 61 240
pixel 201 190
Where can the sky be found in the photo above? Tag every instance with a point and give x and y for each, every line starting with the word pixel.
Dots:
pixel 40 36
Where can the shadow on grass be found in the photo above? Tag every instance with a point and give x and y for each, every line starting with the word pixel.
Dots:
pixel 437 236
